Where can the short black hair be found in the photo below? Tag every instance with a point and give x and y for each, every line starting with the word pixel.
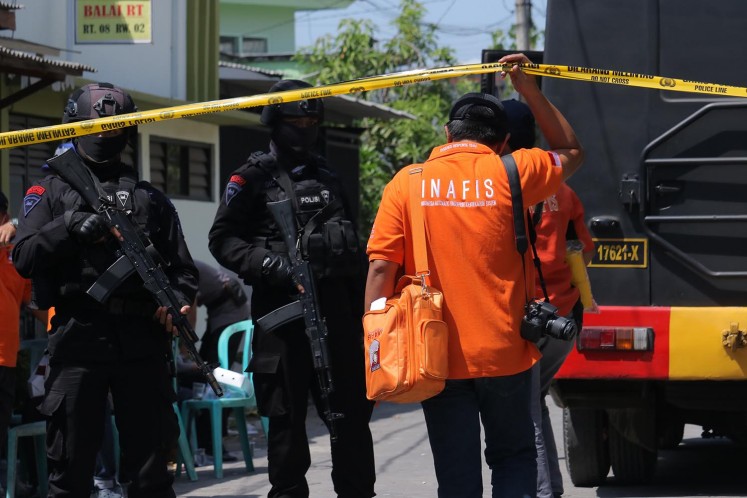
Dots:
pixel 479 117
pixel 474 130
pixel 3 203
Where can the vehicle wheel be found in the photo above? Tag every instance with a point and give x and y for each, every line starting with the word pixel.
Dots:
pixel 671 435
pixel 587 454
pixel 631 463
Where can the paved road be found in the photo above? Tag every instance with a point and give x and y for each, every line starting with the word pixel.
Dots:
pixel 697 468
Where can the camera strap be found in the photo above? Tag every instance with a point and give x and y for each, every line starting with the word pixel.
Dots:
pixel 522 241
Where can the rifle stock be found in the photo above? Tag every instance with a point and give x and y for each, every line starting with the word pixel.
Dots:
pixel 316 328
pixel 137 256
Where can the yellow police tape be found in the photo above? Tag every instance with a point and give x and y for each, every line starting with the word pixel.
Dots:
pixel 71 130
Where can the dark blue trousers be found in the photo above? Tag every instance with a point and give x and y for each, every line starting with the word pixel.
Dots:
pixel 453 419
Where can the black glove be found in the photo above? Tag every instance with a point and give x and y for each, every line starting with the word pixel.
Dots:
pixel 276 270
pixel 87 227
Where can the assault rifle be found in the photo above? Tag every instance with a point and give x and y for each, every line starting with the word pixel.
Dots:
pixel 133 255
pixel 307 307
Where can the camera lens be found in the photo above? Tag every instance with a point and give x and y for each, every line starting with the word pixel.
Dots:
pixel 561 328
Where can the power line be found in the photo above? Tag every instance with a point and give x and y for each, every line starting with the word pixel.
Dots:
pixel 445 12
pixel 385 30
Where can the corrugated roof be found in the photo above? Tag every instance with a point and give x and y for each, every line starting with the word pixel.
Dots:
pixel 76 68
pixel 244 67
pixel 238 81
pixel 10 6
pixel 28 58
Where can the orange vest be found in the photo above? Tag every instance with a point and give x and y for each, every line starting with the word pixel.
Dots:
pixel 15 291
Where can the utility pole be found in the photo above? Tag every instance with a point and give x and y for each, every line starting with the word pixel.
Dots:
pixel 523 24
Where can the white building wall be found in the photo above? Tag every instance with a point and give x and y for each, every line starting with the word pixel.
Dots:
pixel 276 24
pixel 157 68
pixel 43 22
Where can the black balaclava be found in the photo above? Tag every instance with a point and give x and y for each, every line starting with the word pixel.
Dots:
pixel 298 139
pixel 102 150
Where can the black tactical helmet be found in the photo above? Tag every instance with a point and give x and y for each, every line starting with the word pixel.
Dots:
pixel 312 108
pixel 97 100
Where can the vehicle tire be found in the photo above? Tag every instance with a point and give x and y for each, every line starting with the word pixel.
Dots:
pixel 671 434
pixel 631 462
pixel 586 450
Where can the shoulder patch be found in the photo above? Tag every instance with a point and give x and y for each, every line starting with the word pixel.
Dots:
pixel 32 198
pixel 555 158
pixel 235 185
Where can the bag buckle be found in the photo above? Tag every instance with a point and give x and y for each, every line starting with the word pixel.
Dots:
pixel 424 288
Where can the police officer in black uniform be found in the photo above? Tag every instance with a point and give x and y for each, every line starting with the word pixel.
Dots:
pixel 245 239
pixel 63 246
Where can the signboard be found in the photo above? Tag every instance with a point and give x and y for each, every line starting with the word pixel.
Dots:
pixel 113 21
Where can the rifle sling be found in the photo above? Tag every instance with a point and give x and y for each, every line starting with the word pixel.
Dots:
pixel 271 167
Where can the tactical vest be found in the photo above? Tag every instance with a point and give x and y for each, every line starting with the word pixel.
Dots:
pixel 328 239
pixel 94 260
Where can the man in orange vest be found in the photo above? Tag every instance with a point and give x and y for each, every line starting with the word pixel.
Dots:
pixel 473 259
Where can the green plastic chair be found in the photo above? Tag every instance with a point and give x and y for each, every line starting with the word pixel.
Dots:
pixel 223 359
pixel 236 400
pixel 184 453
pixel 38 431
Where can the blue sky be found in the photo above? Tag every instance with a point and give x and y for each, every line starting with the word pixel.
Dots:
pixel 464 25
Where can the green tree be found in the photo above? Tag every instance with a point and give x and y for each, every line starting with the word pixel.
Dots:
pixel 387 146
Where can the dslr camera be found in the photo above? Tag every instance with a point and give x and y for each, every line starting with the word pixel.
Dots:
pixel 541 319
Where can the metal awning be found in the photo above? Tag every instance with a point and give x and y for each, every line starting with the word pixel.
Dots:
pixel 27 58
pixel 239 80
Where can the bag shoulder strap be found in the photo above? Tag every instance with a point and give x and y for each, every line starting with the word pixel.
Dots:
pixel 517 202
pixel 418 225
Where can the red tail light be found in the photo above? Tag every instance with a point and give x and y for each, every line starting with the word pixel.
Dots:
pixel 615 339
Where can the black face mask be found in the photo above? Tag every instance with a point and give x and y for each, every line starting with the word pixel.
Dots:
pixel 102 149
pixel 287 136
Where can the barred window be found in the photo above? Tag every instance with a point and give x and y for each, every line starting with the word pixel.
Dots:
pixel 242 45
pixel 181 169
pixel 253 45
pixel 228 44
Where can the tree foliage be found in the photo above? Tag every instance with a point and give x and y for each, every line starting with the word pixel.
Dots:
pixel 387 146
